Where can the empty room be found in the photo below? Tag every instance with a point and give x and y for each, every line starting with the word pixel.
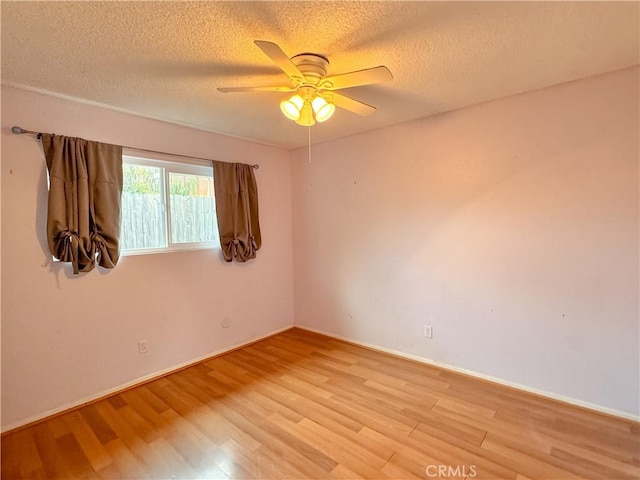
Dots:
pixel 320 240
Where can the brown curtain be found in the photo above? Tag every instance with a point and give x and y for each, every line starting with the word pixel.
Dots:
pixel 85 186
pixel 237 210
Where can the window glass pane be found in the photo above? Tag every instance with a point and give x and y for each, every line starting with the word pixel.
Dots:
pixel 143 218
pixel 192 208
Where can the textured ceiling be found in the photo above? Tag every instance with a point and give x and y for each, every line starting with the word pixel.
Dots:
pixel 166 59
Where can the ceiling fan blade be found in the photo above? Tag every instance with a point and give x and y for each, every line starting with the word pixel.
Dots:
pixel 349 103
pixel 357 78
pixel 275 53
pixel 256 89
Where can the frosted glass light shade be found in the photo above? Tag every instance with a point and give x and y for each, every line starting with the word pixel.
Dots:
pixel 292 107
pixel 322 109
pixel 306 116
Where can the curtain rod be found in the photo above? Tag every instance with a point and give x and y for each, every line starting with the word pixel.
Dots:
pixel 20 131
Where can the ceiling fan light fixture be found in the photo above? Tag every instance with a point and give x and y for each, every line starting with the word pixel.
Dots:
pixel 307 73
pixel 322 109
pixel 292 107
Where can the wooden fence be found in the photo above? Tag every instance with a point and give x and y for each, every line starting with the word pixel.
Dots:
pixel 193 219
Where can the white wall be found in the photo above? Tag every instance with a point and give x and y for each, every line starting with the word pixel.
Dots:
pixel 65 337
pixel 511 227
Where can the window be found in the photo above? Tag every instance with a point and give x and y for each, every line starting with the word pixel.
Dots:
pixel 166 206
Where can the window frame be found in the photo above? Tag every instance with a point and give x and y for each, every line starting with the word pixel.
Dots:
pixel 178 165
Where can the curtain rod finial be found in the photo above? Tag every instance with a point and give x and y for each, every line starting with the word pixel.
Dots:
pixel 17 130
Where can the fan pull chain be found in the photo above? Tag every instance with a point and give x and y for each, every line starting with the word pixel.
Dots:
pixel 309 136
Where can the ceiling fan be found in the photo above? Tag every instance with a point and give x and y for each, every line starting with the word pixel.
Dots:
pixel 316 97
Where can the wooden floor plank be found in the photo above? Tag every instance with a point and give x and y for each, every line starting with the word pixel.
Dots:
pixel 77 463
pixel 125 461
pixel 89 443
pixel 345 451
pixel 31 465
pixel 100 428
pixel 52 461
pixel 301 405
pixel 343 473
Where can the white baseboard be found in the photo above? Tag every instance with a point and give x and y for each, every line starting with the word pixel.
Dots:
pixel 137 381
pixel 444 366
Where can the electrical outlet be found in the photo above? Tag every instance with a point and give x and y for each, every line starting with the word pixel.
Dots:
pixel 428 331
pixel 143 347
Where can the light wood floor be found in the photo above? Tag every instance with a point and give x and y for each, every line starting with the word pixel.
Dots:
pixel 300 405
